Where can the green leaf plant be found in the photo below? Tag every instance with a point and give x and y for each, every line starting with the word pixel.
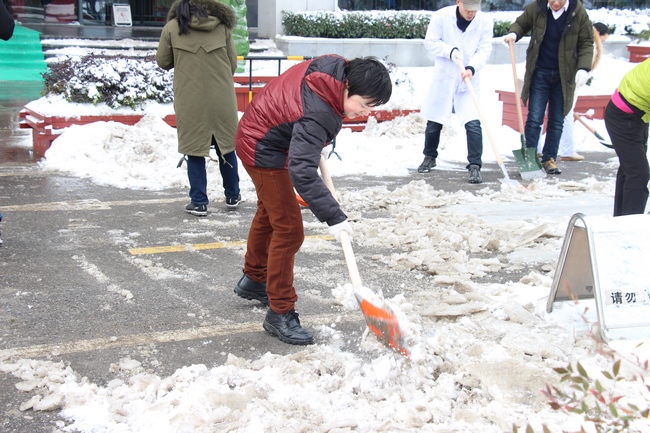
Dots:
pixel 600 399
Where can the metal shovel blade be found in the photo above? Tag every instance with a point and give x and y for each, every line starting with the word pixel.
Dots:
pixel 528 163
pixel 383 322
pixel 591 129
pixel 602 140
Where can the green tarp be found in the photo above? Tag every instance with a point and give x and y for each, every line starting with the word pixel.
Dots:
pixel 21 57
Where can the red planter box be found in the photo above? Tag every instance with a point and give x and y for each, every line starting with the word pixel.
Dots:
pixel 638 53
pixel 359 123
pixel 597 103
pixel 246 90
pixel 45 128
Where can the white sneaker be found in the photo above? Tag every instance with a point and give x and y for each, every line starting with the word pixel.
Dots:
pixel 574 157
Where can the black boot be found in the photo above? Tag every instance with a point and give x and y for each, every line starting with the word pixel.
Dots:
pixel 475 174
pixel 249 289
pixel 287 328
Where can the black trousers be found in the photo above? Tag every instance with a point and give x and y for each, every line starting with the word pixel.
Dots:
pixel 474 141
pixel 629 136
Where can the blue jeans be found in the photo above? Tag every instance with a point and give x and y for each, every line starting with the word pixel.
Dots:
pixel 545 89
pixel 197 175
pixel 474 141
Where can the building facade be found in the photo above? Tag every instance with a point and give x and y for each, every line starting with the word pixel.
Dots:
pixel 144 13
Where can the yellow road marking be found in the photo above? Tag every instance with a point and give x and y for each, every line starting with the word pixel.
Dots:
pixel 209 246
pixel 184 248
pixel 212 331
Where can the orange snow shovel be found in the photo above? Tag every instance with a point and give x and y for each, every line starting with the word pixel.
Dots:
pixel 506 178
pixel 529 165
pixel 381 321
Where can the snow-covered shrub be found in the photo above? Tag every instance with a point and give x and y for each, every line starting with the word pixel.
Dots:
pixel 118 82
pixel 369 24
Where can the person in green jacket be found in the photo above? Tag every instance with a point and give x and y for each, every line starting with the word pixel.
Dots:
pixel 626 118
pixel 197 42
pixel 558 60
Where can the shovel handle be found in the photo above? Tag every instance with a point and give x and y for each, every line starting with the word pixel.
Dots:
pixel 580 119
pixel 345 237
pixel 520 116
pixel 325 174
pixel 591 129
pixel 480 114
pixel 353 270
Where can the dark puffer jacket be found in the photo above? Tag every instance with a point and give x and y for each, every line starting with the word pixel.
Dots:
pixel 290 121
pixel 576 49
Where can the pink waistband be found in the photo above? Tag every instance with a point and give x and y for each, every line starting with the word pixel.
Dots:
pixel 620 104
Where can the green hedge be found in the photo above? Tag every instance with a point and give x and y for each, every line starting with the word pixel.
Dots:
pixel 378 25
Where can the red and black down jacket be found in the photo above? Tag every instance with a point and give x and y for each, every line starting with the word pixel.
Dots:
pixel 289 122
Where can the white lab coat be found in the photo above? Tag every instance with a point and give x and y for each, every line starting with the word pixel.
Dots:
pixel 447 90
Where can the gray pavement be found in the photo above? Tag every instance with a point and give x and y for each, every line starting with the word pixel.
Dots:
pixel 91 274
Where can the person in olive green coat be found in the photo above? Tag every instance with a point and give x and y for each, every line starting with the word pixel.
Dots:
pixel 558 59
pixel 197 42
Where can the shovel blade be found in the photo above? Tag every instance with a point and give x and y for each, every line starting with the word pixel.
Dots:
pixel 383 322
pixel 603 140
pixel 301 201
pixel 506 179
pixel 529 165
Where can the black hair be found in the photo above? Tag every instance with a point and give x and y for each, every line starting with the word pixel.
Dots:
pixel 602 29
pixel 369 78
pixel 184 13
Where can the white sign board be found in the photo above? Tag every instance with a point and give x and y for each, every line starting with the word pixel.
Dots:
pixel 122 15
pixel 606 259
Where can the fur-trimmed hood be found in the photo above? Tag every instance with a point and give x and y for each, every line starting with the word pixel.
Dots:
pixel 214 8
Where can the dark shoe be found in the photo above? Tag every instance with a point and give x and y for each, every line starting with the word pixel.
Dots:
pixel 428 163
pixel 252 290
pixel 197 209
pixel 550 167
pixel 287 328
pixel 475 174
pixel 233 202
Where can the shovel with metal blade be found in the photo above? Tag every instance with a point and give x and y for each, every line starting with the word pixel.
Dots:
pixel 381 320
pixel 529 165
pixel 600 138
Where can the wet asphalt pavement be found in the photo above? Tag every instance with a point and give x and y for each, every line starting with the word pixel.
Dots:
pixel 91 274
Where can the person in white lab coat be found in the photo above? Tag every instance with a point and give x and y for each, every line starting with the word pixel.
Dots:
pixel 459 32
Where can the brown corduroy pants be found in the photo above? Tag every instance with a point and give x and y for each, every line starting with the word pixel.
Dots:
pixel 275 236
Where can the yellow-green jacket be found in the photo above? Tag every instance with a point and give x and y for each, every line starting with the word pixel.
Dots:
pixel 635 88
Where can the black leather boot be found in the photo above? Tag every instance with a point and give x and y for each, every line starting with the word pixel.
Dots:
pixel 252 290
pixel 287 328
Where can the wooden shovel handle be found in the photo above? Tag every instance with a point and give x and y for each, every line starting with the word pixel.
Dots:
pixel 353 270
pixel 345 237
pixel 325 174
pixel 468 82
pixel 580 119
pixel 520 116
